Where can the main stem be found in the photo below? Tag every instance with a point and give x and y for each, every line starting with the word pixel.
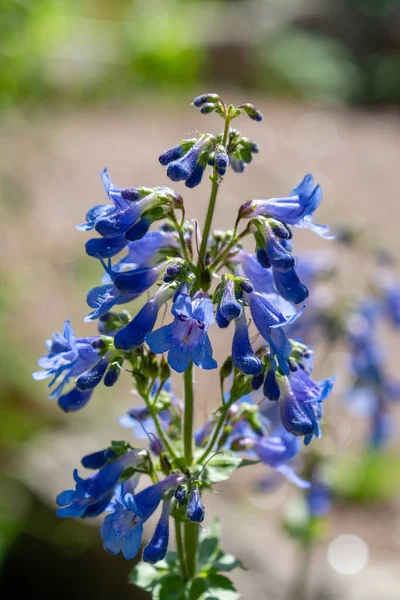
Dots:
pixel 211 205
pixel 190 529
pixel 188 417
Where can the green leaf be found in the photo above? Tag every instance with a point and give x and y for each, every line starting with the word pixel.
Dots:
pixel 196 588
pixel 170 587
pixel 220 468
pixel 248 462
pixel 227 562
pixel 145 576
pixel 221 588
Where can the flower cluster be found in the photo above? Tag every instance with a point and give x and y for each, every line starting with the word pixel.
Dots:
pixel 147 246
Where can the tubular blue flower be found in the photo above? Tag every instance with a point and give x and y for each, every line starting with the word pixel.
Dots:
pixel 319 498
pixel 92 377
pixel 105 247
pixel 195 508
pixel 276 450
pixel 289 286
pixel 269 322
pixel 171 154
pixel 301 404
pixel 297 209
pixel 98 459
pixel 74 400
pixel 121 200
pixel 197 175
pixel 183 168
pixel 103 297
pixel 120 221
pixel 243 356
pixel 137 281
pixel 146 251
pixel 157 548
pixel 92 495
pixel 186 338
pixel 68 358
pixel 123 529
pixel 133 334
pixel 260 277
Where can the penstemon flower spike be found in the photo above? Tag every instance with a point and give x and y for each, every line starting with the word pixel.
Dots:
pixel 269 403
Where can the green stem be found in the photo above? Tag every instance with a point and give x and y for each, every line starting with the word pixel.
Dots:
pixel 191 534
pixel 181 240
pixel 217 430
pixel 229 247
pixel 211 205
pixel 190 529
pixel 188 416
pixel 180 550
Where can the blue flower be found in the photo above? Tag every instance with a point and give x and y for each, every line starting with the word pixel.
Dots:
pixel 145 252
pixel 319 498
pixel 276 450
pixel 92 495
pixel 297 209
pixel 228 307
pixel 191 165
pixel 260 277
pixel 269 322
pixel 301 404
pixel 195 508
pixel 289 286
pixel 186 338
pixel 69 357
pixel 125 287
pixel 121 199
pixel 157 547
pixel 243 356
pixel 123 529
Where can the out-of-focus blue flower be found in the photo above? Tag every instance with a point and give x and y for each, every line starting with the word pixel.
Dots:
pixel 157 547
pixel 297 209
pixel 260 277
pixel 69 358
pixel 276 450
pixel 186 339
pixel 195 508
pixel 92 495
pixel 243 356
pixel 319 498
pixel 393 304
pixel 122 530
pixel 146 251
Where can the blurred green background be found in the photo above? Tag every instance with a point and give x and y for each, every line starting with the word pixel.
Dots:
pixel 79 80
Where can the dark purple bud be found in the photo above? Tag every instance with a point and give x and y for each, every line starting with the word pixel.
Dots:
pixel 207 108
pixel 257 381
pixel 74 400
pixel 247 286
pixel 293 366
pixel 221 321
pixel 280 258
pixel 252 111
pixel 180 494
pixel 138 230
pixel 131 194
pixel 173 269
pixel 105 247
pixel 271 388
pixel 96 460
pixel 200 100
pixel 181 169
pixel 289 286
pixel 112 376
pixel 195 509
pixel 221 162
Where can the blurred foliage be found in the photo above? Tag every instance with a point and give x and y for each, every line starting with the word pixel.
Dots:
pixel 65 52
pixel 369 477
